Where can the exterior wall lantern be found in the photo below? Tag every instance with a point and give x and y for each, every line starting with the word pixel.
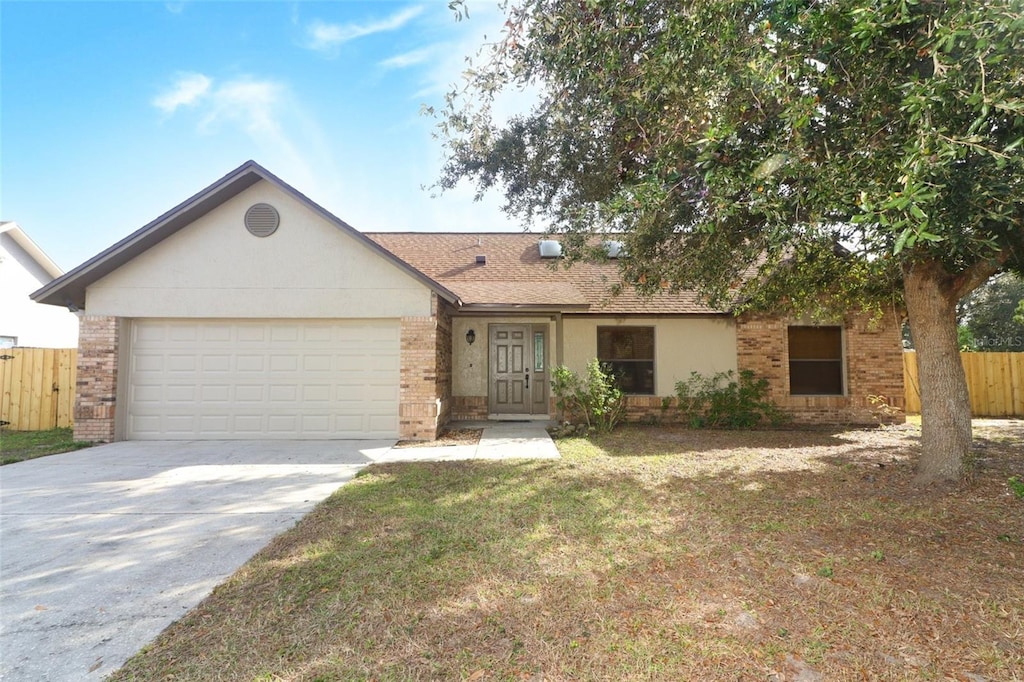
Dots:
pixel 470 337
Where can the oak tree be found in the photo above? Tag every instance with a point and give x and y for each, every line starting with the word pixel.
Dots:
pixel 770 154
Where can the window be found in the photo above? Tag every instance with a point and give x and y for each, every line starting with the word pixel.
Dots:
pixel 628 353
pixel 538 351
pixel 816 361
pixel 8 341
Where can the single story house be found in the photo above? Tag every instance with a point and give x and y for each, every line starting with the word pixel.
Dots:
pixel 249 311
pixel 23 269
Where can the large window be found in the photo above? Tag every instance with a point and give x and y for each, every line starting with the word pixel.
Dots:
pixel 816 361
pixel 628 353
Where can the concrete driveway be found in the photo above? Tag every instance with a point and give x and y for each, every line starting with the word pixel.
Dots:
pixel 101 549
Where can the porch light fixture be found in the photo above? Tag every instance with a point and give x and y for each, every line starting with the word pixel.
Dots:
pixel 470 337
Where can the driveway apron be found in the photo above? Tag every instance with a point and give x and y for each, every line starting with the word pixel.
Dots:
pixel 102 548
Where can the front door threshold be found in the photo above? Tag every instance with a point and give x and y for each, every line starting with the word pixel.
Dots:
pixel 518 417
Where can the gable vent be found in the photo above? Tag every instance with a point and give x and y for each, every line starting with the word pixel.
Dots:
pixel 262 220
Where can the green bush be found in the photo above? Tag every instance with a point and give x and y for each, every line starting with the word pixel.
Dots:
pixel 725 401
pixel 596 399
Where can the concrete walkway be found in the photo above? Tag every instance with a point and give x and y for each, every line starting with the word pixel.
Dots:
pixel 499 440
pixel 103 548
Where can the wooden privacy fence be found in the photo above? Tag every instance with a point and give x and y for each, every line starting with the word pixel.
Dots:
pixel 37 388
pixel 994 380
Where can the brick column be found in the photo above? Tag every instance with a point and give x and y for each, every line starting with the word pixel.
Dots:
pixel 443 353
pixel 421 408
pixel 96 390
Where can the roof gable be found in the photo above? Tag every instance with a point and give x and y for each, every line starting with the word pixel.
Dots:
pixel 30 248
pixel 69 289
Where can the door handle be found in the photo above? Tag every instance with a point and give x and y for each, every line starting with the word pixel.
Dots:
pixel 527 378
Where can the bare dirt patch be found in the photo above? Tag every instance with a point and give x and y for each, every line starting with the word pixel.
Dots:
pixel 448 437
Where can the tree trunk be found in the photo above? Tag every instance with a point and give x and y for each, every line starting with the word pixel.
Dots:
pixel 945 404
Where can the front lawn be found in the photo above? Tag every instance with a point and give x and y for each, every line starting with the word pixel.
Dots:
pixel 647 554
pixel 17 446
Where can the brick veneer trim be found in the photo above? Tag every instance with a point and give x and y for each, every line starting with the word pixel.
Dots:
pixel 425 391
pixel 96 390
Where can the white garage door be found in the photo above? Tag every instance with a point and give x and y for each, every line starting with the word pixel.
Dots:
pixel 237 379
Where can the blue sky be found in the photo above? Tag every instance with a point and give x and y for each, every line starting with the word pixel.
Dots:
pixel 112 113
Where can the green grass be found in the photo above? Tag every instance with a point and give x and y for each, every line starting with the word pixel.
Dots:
pixel 17 446
pixel 646 554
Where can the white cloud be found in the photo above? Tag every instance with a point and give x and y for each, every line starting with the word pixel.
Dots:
pixel 187 90
pixel 327 38
pixel 248 102
pixel 273 125
pixel 175 7
pixel 407 59
pixel 473 38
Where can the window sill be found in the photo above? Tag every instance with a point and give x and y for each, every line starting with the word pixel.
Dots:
pixel 818 395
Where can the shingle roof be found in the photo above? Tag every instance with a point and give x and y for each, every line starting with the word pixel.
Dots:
pixel 514 274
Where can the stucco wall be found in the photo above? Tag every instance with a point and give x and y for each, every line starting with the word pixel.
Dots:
pixel 34 324
pixel 215 268
pixel 469 362
pixel 681 345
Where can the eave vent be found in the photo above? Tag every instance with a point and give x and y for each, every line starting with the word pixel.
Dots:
pixel 262 220
pixel 549 248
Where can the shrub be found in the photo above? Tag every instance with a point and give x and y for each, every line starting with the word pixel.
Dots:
pixel 596 399
pixel 724 400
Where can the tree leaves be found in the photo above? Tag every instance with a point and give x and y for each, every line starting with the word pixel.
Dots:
pixel 733 143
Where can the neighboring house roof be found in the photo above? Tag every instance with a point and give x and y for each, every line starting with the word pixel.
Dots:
pixel 515 276
pixel 23 268
pixel 14 231
pixel 69 290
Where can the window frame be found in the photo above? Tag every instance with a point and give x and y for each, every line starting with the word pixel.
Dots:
pixel 609 362
pixel 840 361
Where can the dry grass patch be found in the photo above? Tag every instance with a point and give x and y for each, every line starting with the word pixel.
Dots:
pixel 646 554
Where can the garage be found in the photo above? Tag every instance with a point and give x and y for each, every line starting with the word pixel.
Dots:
pixel 253 379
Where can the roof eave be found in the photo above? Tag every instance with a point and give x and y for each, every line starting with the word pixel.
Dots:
pixel 524 307
pixel 31 248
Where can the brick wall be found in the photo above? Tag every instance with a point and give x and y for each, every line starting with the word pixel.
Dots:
pixel 443 353
pixel 873 366
pixel 96 390
pixel 639 409
pixel 469 407
pixel 425 390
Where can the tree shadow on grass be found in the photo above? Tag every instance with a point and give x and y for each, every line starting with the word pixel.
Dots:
pixel 607 569
pixel 644 441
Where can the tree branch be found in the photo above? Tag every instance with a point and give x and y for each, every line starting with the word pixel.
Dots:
pixel 976 275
